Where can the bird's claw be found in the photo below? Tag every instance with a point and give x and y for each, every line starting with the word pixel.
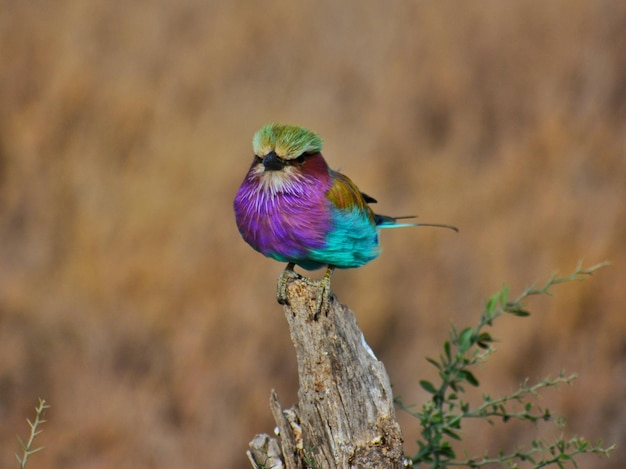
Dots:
pixel 323 299
pixel 281 287
pixel 322 303
pixel 323 293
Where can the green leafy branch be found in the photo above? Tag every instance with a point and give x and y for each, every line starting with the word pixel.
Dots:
pixel 27 447
pixel 560 452
pixel 441 417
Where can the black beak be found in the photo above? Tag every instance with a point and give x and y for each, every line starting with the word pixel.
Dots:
pixel 272 162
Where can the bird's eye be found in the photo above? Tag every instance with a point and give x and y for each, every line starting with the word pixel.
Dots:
pixel 300 158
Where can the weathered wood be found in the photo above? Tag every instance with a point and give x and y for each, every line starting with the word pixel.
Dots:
pixel 289 431
pixel 345 416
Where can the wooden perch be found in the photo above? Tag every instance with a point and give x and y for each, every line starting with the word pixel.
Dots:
pixel 345 416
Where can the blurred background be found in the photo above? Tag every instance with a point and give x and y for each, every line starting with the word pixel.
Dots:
pixel 127 298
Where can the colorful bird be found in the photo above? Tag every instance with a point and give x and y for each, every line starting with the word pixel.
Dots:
pixel 293 208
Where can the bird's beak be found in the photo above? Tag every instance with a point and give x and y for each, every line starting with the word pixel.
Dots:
pixel 272 162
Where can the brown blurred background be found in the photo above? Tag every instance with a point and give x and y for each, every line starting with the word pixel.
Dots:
pixel 127 298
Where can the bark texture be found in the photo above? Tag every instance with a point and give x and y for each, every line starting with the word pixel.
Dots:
pixel 345 416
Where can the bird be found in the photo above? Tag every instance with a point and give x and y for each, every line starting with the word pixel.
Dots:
pixel 292 207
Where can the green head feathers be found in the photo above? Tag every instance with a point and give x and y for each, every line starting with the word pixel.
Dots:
pixel 287 141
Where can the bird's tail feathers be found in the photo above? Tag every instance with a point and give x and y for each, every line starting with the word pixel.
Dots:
pixel 385 221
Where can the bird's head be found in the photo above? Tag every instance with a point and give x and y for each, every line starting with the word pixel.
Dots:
pixel 284 153
pixel 288 142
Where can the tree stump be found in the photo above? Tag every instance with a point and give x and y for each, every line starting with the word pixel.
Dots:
pixel 345 416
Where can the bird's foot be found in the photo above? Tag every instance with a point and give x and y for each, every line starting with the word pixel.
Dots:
pixel 281 288
pixel 323 293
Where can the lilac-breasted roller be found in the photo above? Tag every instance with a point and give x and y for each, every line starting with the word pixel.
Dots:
pixel 293 208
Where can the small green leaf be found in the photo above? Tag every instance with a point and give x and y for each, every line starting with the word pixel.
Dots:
pixel 452 434
pixel 434 362
pixel 455 386
pixel 483 340
pixel 522 313
pixel 446 450
pixel 490 307
pixel 465 339
pixel 547 416
pixel 428 386
pixel 504 295
pixel 469 377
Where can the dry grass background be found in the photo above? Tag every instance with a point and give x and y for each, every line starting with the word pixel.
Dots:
pixel 128 300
